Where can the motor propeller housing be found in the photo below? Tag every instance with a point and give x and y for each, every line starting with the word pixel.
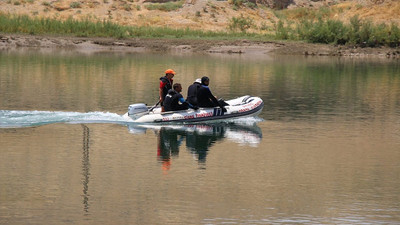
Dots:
pixel 138 108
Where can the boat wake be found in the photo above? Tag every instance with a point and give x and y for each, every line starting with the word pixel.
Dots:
pixel 19 119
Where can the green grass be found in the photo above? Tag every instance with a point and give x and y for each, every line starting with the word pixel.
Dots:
pixel 86 28
pixel 328 31
pixel 357 32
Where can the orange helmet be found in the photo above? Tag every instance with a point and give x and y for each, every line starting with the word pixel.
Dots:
pixel 170 71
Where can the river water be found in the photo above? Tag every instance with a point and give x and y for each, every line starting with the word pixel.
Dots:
pixel 324 150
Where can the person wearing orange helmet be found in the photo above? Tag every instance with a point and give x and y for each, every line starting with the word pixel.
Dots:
pixel 165 85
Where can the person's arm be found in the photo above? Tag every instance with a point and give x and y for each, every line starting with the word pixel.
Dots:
pixel 160 91
pixel 215 101
pixel 212 97
pixel 182 100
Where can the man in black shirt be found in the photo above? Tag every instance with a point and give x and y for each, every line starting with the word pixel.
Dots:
pixel 205 98
pixel 192 92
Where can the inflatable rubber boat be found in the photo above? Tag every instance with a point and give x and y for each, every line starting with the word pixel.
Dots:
pixel 239 107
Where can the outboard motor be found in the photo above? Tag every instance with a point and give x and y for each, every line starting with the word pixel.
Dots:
pixel 137 109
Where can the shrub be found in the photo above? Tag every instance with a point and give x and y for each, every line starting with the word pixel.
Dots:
pixel 321 31
pixel 302 13
pixel 75 5
pixel 237 3
pixel 360 33
pixel 241 23
pixel 339 31
pixel 264 26
pixel 251 5
pixel 282 31
pixel 381 33
pixel 353 34
pixel 393 39
pixel 303 29
pixel 324 12
pixel 127 7
pixel 365 34
pixel 169 6
pixel 330 31
pixel 279 14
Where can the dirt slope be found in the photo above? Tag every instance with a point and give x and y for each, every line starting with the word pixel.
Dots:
pixel 202 14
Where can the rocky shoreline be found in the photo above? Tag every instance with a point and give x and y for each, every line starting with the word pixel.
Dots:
pixel 94 45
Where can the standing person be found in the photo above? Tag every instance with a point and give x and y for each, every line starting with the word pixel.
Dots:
pixel 165 85
pixel 205 98
pixel 192 92
pixel 172 99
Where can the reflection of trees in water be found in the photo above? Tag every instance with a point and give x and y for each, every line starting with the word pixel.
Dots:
pixel 315 88
pixel 85 168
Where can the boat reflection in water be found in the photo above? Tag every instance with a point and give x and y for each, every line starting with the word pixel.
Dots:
pixel 199 138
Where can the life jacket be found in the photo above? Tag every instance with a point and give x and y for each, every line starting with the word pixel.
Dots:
pixel 168 85
pixel 171 101
pixel 192 93
pixel 205 98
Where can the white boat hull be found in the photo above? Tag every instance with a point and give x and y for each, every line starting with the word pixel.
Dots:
pixel 239 107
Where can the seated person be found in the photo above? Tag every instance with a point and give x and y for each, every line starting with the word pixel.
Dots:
pixel 173 98
pixel 192 92
pixel 205 98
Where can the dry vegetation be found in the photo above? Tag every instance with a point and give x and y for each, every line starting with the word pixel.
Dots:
pixel 200 14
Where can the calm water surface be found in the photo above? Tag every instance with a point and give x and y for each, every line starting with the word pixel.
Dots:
pixel 325 149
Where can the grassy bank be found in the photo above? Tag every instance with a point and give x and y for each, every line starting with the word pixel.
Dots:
pixel 327 31
pixel 87 28
pixel 357 32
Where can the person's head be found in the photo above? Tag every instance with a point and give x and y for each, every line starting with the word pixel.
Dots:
pixel 169 73
pixel 205 80
pixel 198 80
pixel 177 87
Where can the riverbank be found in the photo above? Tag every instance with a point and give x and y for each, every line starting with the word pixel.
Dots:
pixel 95 45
